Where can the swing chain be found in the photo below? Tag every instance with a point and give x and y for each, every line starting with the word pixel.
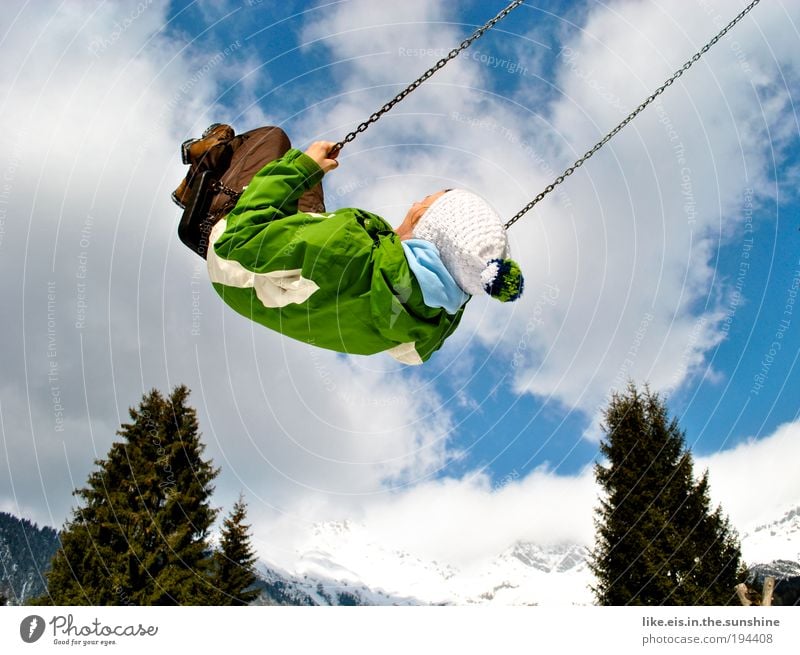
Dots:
pixel 630 116
pixel 219 187
pixel 233 197
pixel 466 43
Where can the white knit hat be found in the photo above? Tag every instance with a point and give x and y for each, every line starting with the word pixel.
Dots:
pixel 472 243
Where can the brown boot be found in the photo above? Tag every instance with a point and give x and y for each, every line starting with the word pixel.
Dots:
pixel 192 150
pixel 181 194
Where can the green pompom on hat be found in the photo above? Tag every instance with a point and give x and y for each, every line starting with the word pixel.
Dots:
pixel 502 279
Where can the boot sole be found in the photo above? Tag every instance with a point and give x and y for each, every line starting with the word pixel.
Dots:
pixel 177 201
pixel 188 143
pixel 185 150
pixel 210 129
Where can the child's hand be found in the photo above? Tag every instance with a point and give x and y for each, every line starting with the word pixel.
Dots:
pixel 320 152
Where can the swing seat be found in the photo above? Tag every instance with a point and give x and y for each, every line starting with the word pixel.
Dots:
pixel 195 225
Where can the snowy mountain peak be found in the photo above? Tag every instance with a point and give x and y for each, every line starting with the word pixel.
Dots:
pixel 549 559
pixel 778 540
pixel 346 554
pixel 788 524
pixel 333 529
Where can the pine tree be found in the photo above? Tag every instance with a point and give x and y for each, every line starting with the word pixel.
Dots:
pixel 234 574
pixel 658 541
pixel 28 552
pixel 140 535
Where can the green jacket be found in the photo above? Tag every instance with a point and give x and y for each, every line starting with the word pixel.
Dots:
pixel 338 280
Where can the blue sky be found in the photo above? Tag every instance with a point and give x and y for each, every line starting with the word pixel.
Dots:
pixel 671 257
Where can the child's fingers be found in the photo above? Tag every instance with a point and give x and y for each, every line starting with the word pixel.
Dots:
pixel 324 146
pixel 324 153
pixel 329 147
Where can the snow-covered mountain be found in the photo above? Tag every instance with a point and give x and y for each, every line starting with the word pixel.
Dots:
pixel 25 554
pixel 344 558
pixel 776 540
pixel 773 549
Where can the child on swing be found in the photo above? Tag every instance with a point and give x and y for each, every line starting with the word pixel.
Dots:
pixel 343 280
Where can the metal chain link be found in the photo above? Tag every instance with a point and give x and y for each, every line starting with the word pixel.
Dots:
pixel 427 74
pixel 233 197
pixel 630 116
pixel 219 187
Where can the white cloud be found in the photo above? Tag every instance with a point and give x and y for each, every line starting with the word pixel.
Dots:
pixel 460 522
pixel 757 479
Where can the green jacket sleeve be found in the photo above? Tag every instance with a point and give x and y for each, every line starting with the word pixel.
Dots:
pixel 275 189
pixel 272 194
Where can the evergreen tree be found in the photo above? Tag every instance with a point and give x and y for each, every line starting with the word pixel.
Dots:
pixel 234 574
pixel 3 599
pixel 658 541
pixel 140 534
pixel 26 551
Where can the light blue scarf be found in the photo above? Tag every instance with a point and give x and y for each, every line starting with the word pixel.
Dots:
pixel 439 289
